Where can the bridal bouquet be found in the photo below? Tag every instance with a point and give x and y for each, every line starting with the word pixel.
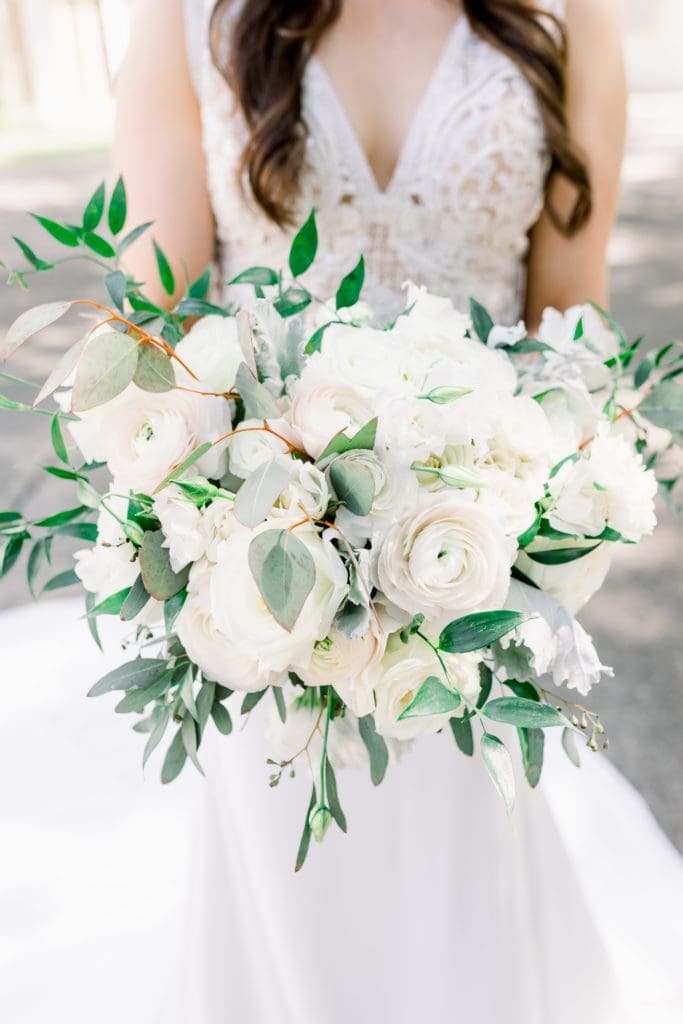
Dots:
pixel 383 530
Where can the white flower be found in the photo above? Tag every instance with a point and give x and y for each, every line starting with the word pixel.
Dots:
pixel 396 491
pixel 351 666
pixel 363 359
pixel 215 651
pixel 506 335
pixel 574 583
pixel 307 493
pixel 449 558
pixel 554 641
pixel 607 487
pixel 252 445
pixel 211 351
pixel 405 667
pixel 107 569
pixel 585 355
pixel 319 411
pixel 181 522
pixel 142 436
pixel 239 610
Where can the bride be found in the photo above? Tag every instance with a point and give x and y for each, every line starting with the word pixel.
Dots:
pixel 460 145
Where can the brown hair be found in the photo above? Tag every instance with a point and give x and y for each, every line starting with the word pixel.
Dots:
pixel 273 39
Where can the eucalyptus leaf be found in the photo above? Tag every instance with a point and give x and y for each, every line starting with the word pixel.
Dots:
pixel 31 322
pixel 376 748
pixel 353 485
pixel 154 372
pixel 664 405
pixel 135 701
pixel 160 581
pixel 175 759
pixel 463 735
pixel 479 630
pixel 133 236
pixel 111 605
pixel 260 276
pixel 245 340
pixel 364 440
pixel 523 713
pixel 569 746
pixel 333 797
pixel 532 745
pixel 280 703
pixel 62 369
pixel 105 369
pixel 134 674
pixel 189 733
pixel 305 841
pixel 251 700
pixel 259 492
pixel 433 698
pixel 61 581
pixel 162 718
pixel 498 763
pixel 222 719
pixel 482 321
pixel 135 602
pixel 284 572
pixel 172 609
pixel 115 283
pixel 186 464
pixel 258 402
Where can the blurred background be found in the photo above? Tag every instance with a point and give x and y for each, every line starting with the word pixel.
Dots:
pixel 58 59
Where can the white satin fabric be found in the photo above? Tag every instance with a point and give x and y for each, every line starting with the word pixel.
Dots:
pixel 123 901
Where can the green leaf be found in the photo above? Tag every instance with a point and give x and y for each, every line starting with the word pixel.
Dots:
pixel 474 632
pixel 485 684
pixel 95 209
pixel 524 689
pixel 363 440
pixel 29 254
pixel 664 405
pixel 445 394
pixel 199 307
pixel 200 288
pixel 258 493
pixel 58 442
pixel 154 372
pixel 315 341
pixel 90 602
pixel 81 531
pixel 61 518
pixel 135 602
pixel 251 700
pixel 284 572
pixel 259 276
pixel 351 287
pixel 111 605
pixel 205 701
pixel 280 702
pixel 162 716
pixel 304 247
pixel 222 719
pixel 498 763
pixel 63 234
pixel 10 554
pixel 305 842
pixel 64 579
pixel 532 745
pixel 560 556
pixel 333 797
pixel 258 402
pixel 527 346
pixel 353 485
pixel 189 733
pixel 10 517
pixel 116 285
pixel 519 711
pixel 376 748
pixel 31 322
pixel 433 698
pixel 105 369
pixel 135 701
pixel 133 236
pixel 178 470
pixel 164 267
pixel 99 245
pixel 172 609
pixel 292 301
pixel 643 371
pixel 482 320
pixel 118 208
pixel 35 558
pixel 175 759
pixel 135 674
pixel 63 474
pixel 463 735
pixel 569 746
pixel 158 577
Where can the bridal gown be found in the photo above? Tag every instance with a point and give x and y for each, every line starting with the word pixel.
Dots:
pixel 129 902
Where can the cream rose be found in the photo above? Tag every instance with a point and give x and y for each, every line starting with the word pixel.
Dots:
pixel 319 411
pixel 252 445
pixel 352 667
pixel 181 522
pixel 447 559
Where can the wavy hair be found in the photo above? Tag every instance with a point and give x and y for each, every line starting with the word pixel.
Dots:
pixel 272 41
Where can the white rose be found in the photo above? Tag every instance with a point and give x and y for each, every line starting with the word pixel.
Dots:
pixel 217 523
pixel 363 359
pixel 405 667
pixel 574 583
pixel 396 491
pixel 252 445
pixel 607 487
pixel 107 569
pixel 219 657
pixel 319 411
pixel 239 609
pixel 447 559
pixel 181 522
pixel 307 493
pixel 211 351
pixel 142 436
pixel 350 666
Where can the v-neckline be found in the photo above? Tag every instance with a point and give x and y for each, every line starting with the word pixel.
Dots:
pixel 412 133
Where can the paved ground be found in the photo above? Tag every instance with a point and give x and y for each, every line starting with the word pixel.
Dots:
pixel 636 619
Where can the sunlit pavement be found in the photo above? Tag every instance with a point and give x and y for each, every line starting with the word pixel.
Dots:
pixel 636 620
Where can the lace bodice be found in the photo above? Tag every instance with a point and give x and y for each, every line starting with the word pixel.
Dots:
pixel 455 216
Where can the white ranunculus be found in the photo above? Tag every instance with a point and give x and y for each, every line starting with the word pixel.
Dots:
pixel 307 493
pixel 252 445
pixel 351 666
pixel 319 411
pixel 510 500
pixel 553 641
pixel 405 667
pixel 363 359
pixel 217 523
pixel 607 487
pixel 449 558
pixel 215 651
pixel 181 522
pixel 574 583
pixel 239 609
pixel 210 349
pixel 142 436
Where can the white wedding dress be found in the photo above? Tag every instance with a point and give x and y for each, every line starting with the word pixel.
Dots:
pixel 132 903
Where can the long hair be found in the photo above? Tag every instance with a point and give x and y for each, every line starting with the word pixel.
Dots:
pixel 272 41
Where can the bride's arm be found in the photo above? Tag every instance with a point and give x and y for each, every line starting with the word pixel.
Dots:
pixel 158 148
pixel 565 271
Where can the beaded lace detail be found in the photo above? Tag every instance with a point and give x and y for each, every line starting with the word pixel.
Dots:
pixel 455 216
